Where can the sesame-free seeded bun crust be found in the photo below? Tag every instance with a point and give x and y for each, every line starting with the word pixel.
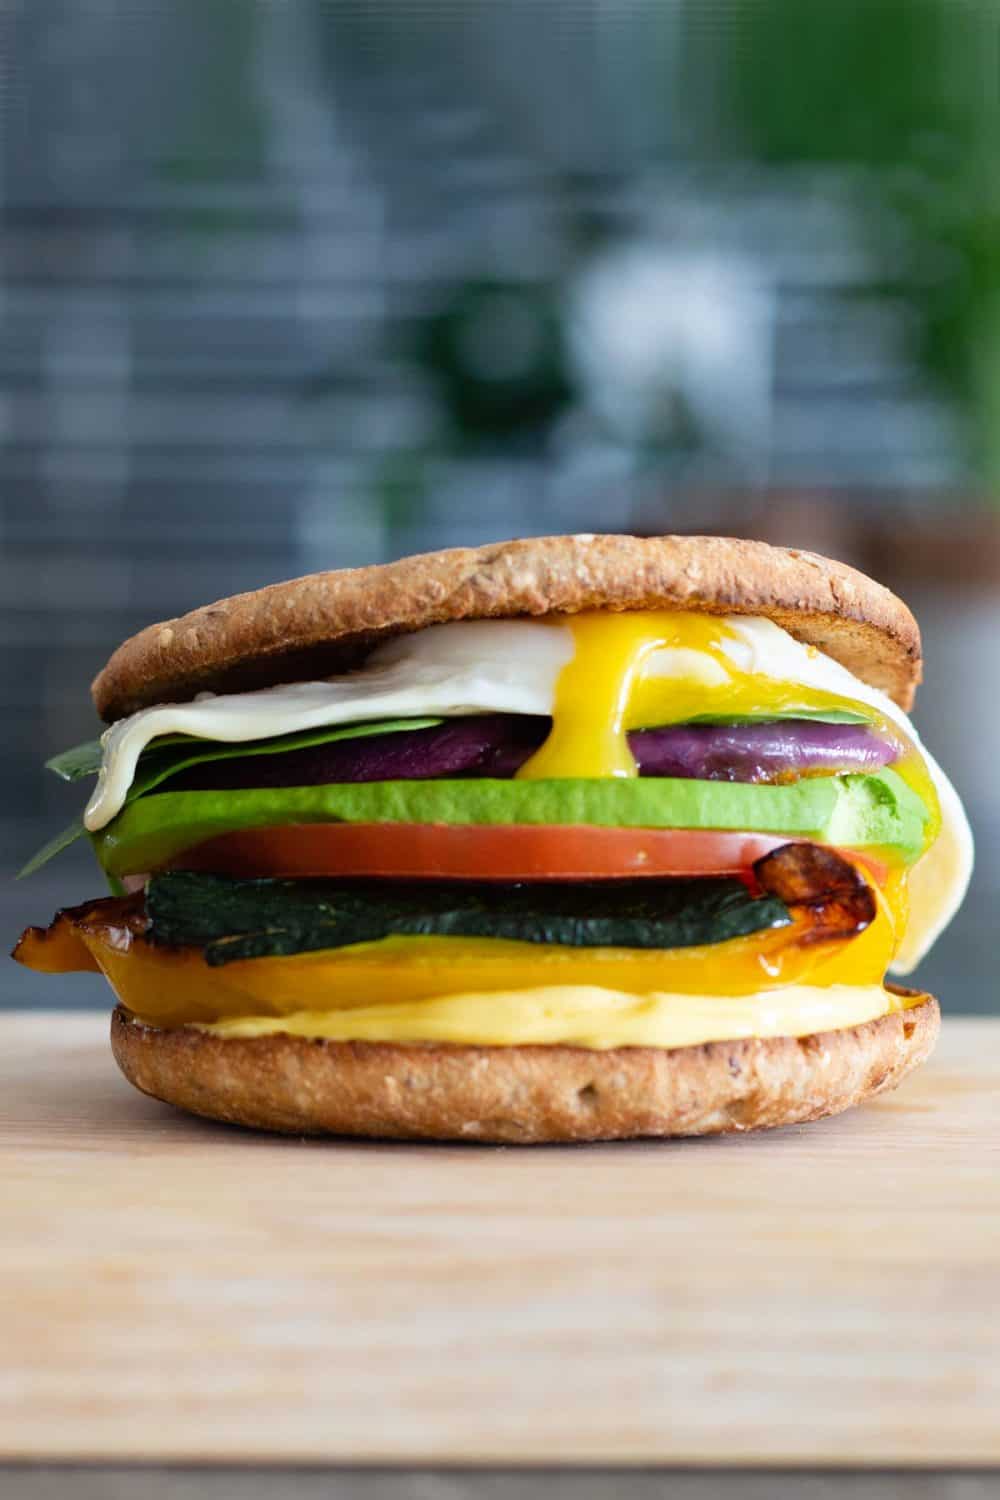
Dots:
pixel 327 622
pixel 521 1095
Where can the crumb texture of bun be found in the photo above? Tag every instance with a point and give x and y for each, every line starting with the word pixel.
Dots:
pixel 327 622
pixel 521 1095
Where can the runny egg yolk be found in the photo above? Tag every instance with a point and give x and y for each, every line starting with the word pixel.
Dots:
pixel 607 688
pixel 602 692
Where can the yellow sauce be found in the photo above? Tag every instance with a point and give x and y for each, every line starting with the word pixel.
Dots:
pixel 587 1017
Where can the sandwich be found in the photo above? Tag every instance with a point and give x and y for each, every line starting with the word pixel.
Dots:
pixel 565 839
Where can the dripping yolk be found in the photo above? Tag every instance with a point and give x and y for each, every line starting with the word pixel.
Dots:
pixel 598 694
pixel 647 668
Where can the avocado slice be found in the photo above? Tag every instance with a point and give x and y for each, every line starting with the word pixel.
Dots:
pixel 853 811
pixel 173 753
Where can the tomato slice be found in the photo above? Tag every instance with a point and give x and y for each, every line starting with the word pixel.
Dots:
pixel 444 851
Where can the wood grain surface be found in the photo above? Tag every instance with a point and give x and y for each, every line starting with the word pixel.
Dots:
pixel 174 1290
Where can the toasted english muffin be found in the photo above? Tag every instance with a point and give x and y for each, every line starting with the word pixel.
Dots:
pixel 327 622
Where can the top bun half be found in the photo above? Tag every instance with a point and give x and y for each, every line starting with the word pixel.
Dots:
pixel 326 623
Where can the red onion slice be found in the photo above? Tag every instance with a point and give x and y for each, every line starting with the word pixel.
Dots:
pixel 498 745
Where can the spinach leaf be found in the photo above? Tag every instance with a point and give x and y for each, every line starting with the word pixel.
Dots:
pixel 76 763
pixel 55 846
pixel 817 715
pixel 176 752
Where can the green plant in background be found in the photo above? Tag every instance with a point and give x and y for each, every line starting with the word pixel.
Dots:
pixel 952 208
pixel 219 128
pixel 495 351
pixel 908 93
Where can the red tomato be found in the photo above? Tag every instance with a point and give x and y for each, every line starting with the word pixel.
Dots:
pixel 444 851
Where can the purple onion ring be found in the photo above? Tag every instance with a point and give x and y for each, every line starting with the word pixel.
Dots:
pixel 498 745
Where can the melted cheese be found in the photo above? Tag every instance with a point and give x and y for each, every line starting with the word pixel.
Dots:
pixel 586 1016
pixel 598 675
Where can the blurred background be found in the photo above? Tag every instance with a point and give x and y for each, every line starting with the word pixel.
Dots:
pixel 300 285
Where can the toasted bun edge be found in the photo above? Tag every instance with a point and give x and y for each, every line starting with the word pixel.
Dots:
pixel 521 1095
pixel 326 623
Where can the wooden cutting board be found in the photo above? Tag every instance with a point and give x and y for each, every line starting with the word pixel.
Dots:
pixel 172 1290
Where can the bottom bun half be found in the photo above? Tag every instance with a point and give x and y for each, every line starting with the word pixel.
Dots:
pixel 521 1094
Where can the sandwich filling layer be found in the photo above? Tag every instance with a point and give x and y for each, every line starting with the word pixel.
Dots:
pixel 657 779
pixel 486 991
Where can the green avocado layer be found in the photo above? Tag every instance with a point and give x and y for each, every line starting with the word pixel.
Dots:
pixel 853 811
pixel 170 754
